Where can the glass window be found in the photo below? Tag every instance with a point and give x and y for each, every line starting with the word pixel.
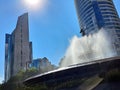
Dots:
pixel 102 2
pixel 108 12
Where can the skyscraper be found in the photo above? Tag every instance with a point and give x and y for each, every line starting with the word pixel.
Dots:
pixel 96 14
pixel 18 49
pixel 43 65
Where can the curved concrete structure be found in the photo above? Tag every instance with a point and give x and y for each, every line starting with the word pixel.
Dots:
pixel 75 71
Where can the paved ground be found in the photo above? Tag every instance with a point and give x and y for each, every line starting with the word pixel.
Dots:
pixel 108 86
pixel 102 86
pixel 88 84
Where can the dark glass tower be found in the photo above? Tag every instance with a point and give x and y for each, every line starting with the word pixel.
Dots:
pixel 8 54
pixel 18 49
pixel 96 14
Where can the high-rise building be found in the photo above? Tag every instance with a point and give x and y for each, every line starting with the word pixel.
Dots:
pixel 96 14
pixel 18 49
pixel 42 65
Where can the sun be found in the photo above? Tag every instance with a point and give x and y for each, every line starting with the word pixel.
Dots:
pixel 34 4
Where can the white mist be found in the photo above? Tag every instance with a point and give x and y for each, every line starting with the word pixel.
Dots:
pixel 88 48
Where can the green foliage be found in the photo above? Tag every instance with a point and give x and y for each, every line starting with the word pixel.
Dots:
pixel 30 72
pixel 0 87
pixel 22 87
pixel 15 83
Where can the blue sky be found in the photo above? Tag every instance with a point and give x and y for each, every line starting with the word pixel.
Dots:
pixel 50 29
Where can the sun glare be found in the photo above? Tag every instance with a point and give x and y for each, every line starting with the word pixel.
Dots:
pixel 34 4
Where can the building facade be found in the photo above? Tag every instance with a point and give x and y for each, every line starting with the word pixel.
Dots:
pixel 42 65
pixel 96 14
pixel 18 49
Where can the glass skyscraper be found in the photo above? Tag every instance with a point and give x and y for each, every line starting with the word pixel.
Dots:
pixel 18 49
pixel 96 14
pixel 8 58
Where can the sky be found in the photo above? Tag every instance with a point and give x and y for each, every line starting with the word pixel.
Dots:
pixel 51 26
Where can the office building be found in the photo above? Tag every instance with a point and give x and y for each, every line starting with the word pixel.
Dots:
pixel 42 65
pixel 96 14
pixel 18 49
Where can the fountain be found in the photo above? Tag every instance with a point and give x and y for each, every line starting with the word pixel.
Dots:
pixel 89 48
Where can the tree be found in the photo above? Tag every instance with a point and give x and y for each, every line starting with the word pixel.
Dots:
pixel 16 82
